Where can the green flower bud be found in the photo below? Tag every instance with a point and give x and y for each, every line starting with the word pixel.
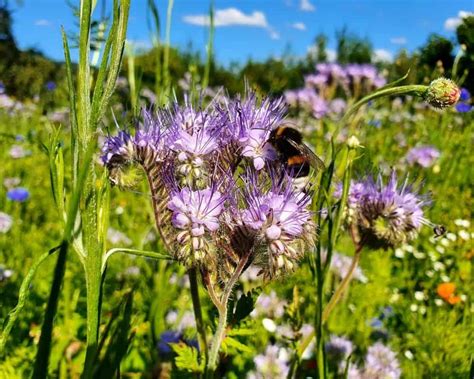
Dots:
pixel 442 93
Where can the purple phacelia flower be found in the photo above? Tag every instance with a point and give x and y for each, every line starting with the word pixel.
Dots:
pixel 19 194
pixel 338 349
pixel 280 216
pixel 423 156
pixel 195 213
pixel 381 362
pixel 386 215
pixel 255 146
pixel 274 363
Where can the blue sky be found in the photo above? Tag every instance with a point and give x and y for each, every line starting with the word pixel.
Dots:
pixel 260 28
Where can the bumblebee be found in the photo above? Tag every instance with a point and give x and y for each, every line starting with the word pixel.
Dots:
pixel 439 230
pixel 293 153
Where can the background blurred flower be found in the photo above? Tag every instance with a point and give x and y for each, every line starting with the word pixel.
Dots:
pixel 50 86
pixel 273 364
pixel 446 292
pixel 424 156
pixel 6 222
pixel 5 273
pixel 19 194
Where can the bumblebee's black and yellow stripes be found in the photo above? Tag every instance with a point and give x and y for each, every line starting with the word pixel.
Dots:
pixel 295 155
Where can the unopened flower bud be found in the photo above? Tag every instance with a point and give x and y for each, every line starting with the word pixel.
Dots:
pixel 442 93
pixel 353 142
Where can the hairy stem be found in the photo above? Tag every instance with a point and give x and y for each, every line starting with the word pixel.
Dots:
pixel 201 329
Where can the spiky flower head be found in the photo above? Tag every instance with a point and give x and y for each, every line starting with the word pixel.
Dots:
pixel 385 215
pixel 442 93
pixel 279 217
pixel 219 193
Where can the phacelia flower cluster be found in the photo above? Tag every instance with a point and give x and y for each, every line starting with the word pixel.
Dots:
pixel 220 193
pixel 320 95
pixel 384 215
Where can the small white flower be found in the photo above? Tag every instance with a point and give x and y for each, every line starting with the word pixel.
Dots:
pixel 463 297
pixel 399 253
pixel 353 142
pixel 464 235
pixel 419 255
pixel 451 236
pixel 413 307
pixel 409 355
pixel 269 325
pixel 429 274
pixel 409 248
pixel 422 310
pixel 419 295
pixel 462 223
pixel 445 278
pixel 440 249
pixel 439 266
pixel 444 242
pixel 439 302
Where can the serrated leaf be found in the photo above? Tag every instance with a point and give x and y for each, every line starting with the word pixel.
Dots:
pixel 230 342
pixel 245 306
pixel 187 358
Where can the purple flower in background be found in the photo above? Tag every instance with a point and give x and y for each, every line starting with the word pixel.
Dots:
pixel 19 194
pixel 269 305
pixel 273 364
pixel 319 107
pixel 424 156
pixel 387 215
pixel 338 350
pixel 337 106
pixel 381 362
pixel 17 151
pixel 340 265
pixel 6 222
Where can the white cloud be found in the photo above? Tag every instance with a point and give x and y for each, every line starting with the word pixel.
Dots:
pixel 305 5
pixel 298 26
pixel 229 17
pixel 453 22
pixel 398 40
pixel 233 17
pixel 383 55
pixel 42 22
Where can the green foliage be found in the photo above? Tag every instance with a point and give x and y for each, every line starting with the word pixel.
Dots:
pixel 187 358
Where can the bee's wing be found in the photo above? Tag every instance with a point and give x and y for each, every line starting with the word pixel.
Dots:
pixel 315 162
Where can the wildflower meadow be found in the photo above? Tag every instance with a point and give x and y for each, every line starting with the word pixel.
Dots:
pixel 163 215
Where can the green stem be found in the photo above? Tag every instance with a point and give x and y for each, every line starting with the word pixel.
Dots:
pixel 24 290
pixel 222 308
pixel 416 90
pixel 140 253
pixel 44 346
pixel 166 55
pixel 217 339
pixel 93 288
pixel 201 329
pixel 342 287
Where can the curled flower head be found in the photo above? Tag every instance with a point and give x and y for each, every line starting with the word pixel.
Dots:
pixel 386 215
pixel 280 216
pixel 442 93
pixel 423 156
pixel 196 214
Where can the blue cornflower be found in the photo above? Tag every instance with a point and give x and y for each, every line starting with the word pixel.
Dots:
pixel 166 338
pixel 2 88
pixel 19 194
pixel 465 95
pixel 50 86
pixel 463 107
